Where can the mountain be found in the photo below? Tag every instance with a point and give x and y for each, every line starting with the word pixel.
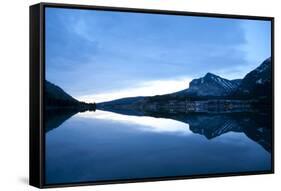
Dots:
pixel 257 82
pixel 129 100
pixel 210 91
pixel 212 85
pixel 126 105
pixel 56 98
pixel 55 94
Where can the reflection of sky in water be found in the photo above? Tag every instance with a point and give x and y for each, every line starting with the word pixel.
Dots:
pixel 95 146
pixel 141 122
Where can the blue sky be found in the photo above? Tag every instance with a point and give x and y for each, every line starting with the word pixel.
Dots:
pixel 100 56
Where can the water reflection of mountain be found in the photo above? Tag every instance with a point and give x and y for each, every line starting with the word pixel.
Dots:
pixel 55 117
pixel 256 126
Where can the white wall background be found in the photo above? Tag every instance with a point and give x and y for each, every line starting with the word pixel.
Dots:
pixel 14 39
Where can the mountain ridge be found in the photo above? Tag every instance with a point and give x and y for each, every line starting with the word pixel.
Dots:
pixel 258 81
pixel 212 85
pixel 56 98
pixel 209 87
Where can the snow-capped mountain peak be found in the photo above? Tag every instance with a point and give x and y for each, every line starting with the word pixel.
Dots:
pixel 212 85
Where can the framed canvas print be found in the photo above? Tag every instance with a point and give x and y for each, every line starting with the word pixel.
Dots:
pixel 127 95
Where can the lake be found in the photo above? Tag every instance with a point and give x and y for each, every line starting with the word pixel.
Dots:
pixel 102 145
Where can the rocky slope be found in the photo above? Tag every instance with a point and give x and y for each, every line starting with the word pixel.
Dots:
pixel 212 85
pixel 258 82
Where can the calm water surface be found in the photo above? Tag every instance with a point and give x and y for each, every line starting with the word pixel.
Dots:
pixel 101 145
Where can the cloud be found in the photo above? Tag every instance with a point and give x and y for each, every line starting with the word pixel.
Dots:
pixel 258 40
pixel 147 88
pixel 96 52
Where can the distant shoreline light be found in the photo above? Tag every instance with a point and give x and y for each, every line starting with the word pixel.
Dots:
pixel 148 88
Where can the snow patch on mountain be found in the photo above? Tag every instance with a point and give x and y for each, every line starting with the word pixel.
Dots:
pixel 212 85
pixel 259 81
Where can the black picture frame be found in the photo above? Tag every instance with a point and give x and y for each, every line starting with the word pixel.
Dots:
pixel 37 76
